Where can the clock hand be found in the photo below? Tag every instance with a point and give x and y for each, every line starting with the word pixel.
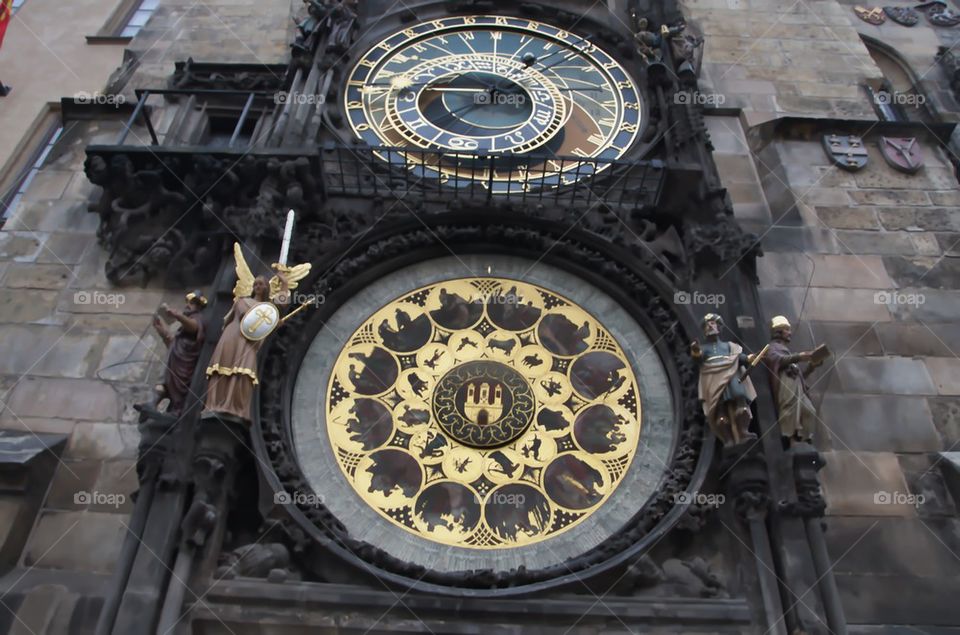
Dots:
pixel 559 61
pixel 445 81
pixel 585 38
pixel 457 90
pixel 453 113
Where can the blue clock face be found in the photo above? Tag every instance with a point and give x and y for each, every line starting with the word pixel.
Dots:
pixel 548 103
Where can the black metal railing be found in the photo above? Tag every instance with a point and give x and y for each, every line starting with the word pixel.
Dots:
pixel 244 99
pixel 357 170
pixel 553 180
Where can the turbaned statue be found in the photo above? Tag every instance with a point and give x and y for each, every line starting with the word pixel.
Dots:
pixel 796 414
pixel 183 350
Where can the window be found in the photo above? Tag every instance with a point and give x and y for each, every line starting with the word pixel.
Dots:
pixel 31 163
pixel 125 21
pixel 897 98
pixel 17 4
pixel 138 18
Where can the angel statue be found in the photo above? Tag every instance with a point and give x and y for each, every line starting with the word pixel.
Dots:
pixel 232 373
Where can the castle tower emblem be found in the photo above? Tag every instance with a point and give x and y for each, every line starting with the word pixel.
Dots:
pixel 484 402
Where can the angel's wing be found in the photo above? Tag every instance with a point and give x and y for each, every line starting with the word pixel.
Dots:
pixel 293 275
pixel 244 286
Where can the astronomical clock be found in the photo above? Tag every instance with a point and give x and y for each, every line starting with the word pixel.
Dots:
pixel 480 380
pixel 495 85
pixel 490 395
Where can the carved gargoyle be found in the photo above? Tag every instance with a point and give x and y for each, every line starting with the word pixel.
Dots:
pixel 675 577
pixel 257 560
pixel 332 18
pixel 138 217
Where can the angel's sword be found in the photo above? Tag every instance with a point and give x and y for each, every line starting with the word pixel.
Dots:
pixel 287 235
pixel 284 253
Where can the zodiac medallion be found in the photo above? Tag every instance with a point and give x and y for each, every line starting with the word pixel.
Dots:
pixel 483 412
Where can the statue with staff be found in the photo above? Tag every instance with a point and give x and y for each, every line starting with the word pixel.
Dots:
pixel 232 373
pixel 725 389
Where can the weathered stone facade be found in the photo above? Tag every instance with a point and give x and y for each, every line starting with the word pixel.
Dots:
pixel 864 261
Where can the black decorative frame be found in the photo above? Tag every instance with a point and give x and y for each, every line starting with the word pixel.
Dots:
pixel 645 294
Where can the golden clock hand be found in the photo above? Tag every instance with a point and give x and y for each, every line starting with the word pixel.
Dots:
pixel 442 81
pixel 456 90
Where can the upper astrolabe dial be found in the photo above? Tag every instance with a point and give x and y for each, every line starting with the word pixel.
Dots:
pixel 485 413
pixel 550 105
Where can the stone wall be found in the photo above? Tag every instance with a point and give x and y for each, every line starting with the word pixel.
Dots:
pixel 867 263
pixel 75 352
pixel 807 59
pixel 64 331
pixel 226 31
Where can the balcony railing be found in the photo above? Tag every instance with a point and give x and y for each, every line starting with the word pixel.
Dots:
pixel 552 180
pixel 355 170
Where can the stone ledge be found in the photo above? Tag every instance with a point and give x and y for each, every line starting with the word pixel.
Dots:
pixel 315 601
pixel 870 599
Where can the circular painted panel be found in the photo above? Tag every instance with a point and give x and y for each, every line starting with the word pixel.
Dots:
pixel 514 417
pixel 468 440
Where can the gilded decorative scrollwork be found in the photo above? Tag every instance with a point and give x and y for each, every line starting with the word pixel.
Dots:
pixel 483 412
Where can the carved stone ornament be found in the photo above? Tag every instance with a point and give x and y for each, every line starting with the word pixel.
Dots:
pixel 193 75
pixel 904 16
pixel 809 502
pixel 939 15
pixel 846 151
pixel 166 218
pixel 870 15
pixel 269 560
pixel 675 577
pixel 950 63
pixel 902 153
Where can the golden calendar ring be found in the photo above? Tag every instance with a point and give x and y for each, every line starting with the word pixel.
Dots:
pixel 483 412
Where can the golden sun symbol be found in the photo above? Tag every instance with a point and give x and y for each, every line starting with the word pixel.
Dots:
pixel 400 82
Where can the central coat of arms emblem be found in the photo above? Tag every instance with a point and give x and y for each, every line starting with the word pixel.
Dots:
pixel 484 403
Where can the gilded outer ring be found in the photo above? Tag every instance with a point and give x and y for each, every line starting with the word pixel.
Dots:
pixel 574 423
